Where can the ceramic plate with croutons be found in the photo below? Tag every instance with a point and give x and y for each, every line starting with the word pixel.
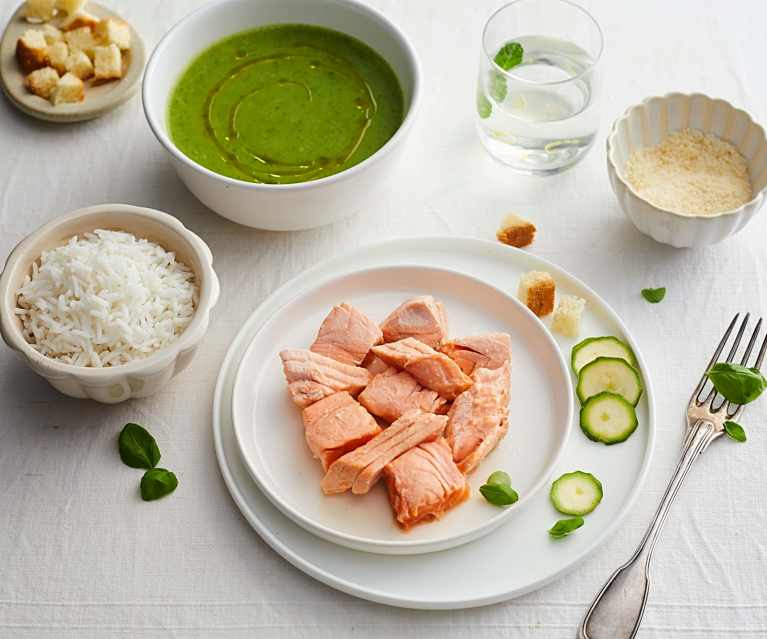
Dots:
pixel 69 60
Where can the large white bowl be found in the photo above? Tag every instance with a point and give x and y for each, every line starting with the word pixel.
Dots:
pixel 281 207
pixel 138 378
pixel 646 124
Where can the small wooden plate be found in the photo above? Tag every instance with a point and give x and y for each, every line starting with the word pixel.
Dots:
pixel 99 97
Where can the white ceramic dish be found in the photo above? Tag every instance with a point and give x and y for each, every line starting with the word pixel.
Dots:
pixel 281 207
pixel 460 577
pixel 139 378
pixel 646 124
pixel 270 430
pixel 99 98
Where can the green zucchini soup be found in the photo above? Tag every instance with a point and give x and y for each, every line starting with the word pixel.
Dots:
pixel 285 103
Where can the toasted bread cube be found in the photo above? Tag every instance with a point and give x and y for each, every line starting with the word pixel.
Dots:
pixel 80 65
pixel 516 231
pixel 32 50
pixel 537 291
pixel 78 20
pixel 58 53
pixel 108 63
pixel 52 34
pixel 70 6
pixel 42 82
pixel 39 10
pixel 81 40
pixel 112 31
pixel 69 89
pixel 567 318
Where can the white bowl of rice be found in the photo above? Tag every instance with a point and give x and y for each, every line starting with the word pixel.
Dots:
pixel 108 302
pixel 688 170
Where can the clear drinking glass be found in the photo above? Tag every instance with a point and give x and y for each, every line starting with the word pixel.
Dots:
pixel 541 116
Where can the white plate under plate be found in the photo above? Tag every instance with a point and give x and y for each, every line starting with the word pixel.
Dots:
pixel 462 576
pixel 269 427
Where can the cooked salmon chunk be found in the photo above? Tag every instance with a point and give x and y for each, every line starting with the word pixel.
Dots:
pixel 421 317
pixel 361 468
pixel 491 350
pixel 346 335
pixel 312 376
pixel 424 483
pixel 374 364
pixel 431 368
pixel 478 418
pixel 394 392
pixel 336 425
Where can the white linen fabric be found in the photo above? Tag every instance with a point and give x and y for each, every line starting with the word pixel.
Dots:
pixel 82 556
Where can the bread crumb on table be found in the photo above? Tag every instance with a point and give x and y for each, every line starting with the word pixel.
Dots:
pixel 516 231
pixel 567 318
pixel 537 291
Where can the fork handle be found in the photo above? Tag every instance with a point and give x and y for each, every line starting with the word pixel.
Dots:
pixel 617 610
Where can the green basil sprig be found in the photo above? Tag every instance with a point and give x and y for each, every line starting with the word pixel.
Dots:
pixel 735 431
pixel 509 55
pixel 138 449
pixel 565 526
pixel 737 383
pixel 157 483
pixel 498 491
pixel 654 295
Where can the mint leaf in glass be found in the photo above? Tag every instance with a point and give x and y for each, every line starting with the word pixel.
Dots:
pixel 565 526
pixel 484 106
pixel 138 449
pixel 157 483
pixel 735 431
pixel 509 55
pixel 654 295
pixel 737 383
pixel 497 87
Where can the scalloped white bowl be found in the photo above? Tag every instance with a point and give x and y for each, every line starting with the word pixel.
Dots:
pixel 646 124
pixel 139 378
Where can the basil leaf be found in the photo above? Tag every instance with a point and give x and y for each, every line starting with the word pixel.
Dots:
pixel 157 483
pixel 484 107
pixel 654 295
pixel 497 88
pixel 498 494
pixel 137 447
pixel 509 55
pixel 735 431
pixel 565 526
pixel 737 383
pixel 499 478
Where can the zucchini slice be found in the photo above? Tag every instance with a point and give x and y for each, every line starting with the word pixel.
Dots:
pixel 610 374
pixel 589 349
pixel 576 493
pixel 608 418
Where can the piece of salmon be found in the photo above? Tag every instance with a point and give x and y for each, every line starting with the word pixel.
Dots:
pixel 346 335
pixel 431 368
pixel 394 392
pixel 312 376
pixel 478 418
pixel 424 483
pixel 336 425
pixel 361 468
pixel 421 317
pixel 490 350
pixel 374 364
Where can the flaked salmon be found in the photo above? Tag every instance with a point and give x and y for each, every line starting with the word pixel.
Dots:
pixel 478 418
pixel 424 483
pixel 490 350
pixel 312 376
pixel 374 364
pixel 421 317
pixel 361 468
pixel 335 425
pixel 346 335
pixel 431 368
pixel 394 392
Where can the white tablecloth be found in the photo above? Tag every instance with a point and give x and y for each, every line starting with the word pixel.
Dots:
pixel 82 556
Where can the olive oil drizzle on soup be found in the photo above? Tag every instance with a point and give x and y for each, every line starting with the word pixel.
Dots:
pixel 285 103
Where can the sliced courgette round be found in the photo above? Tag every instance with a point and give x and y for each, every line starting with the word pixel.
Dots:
pixel 608 418
pixel 610 374
pixel 576 493
pixel 591 348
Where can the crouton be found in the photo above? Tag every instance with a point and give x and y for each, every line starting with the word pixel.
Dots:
pixel 58 52
pixel 112 31
pixel 567 318
pixel 32 50
pixel 70 88
pixel 52 34
pixel 108 63
pixel 79 20
pixel 39 10
pixel 516 231
pixel 80 65
pixel 81 40
pixel 42 82
pixel 537 291
pixel 70 6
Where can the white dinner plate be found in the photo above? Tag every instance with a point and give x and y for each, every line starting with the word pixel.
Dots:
pixel 471 574
pixel 270 431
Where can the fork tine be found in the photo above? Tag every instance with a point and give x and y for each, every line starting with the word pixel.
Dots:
pixel 760 357
pixel 733 410
pixel 712 394
pixel 714 359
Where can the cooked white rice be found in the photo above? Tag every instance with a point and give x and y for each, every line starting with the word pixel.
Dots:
pixel 104 299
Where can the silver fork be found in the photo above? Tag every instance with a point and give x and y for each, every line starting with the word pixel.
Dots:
pixel 617 610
